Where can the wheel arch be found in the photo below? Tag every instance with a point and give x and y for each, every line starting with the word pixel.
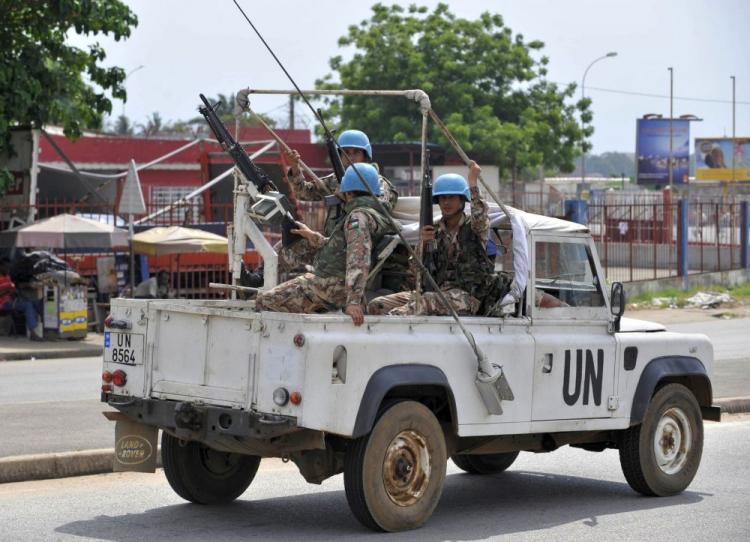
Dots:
pixel 685 370
pixel 426 384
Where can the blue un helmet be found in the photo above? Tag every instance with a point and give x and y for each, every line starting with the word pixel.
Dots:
pixel 352 183
pixel 450 184
pixel 356 140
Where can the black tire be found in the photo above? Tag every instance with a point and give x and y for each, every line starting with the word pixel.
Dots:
pixel 394 476
pixel 485 463
pixel 203 475
pixel 667 466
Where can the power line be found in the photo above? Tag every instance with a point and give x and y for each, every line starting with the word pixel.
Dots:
pixel 648 95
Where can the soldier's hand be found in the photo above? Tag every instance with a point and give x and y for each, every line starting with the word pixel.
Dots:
pixel 355 311
pixel 292 156
pixel 304 231
pixel 474 171
pixel 427 233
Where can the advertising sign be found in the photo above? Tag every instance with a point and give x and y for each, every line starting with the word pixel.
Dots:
pixel 713 159
pixel 652 151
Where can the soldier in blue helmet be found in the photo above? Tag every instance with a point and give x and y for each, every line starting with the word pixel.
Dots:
pixel 356 146
pixel 464 271
pixel 342 260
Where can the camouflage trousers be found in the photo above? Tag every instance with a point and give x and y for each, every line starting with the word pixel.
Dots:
pixel 306 294
pixel 404 303
pixel 294 259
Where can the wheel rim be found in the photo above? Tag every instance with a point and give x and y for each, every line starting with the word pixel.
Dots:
pixel 219 464
pixel 406 468
pixel 672 440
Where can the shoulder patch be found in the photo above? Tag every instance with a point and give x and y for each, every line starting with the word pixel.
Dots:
pixel 353 224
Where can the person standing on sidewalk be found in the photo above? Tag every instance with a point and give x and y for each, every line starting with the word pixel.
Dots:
pixel 10 302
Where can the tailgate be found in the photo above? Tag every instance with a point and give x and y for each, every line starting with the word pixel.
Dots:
pixel 202 353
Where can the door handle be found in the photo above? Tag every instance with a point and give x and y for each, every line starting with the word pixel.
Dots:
pixel 547 363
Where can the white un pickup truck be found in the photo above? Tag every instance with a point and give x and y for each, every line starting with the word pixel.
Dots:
pixel 389 402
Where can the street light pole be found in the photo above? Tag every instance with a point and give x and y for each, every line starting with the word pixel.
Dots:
pixel 583 95
pixel 671 114
pixel 131 72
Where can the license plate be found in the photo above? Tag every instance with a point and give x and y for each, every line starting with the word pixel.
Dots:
pixel 125 348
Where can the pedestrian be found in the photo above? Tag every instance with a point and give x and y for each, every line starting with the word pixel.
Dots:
pixel 342 260
pixel 11 301
pixel 464 272
pixel 295 258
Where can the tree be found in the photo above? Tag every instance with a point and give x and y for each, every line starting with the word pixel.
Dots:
pixel 44 80
pixel 123 126
pixel 488 85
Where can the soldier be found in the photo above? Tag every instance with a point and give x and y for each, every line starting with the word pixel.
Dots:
pixel 356 145
pixel 464 272
pixel 342 262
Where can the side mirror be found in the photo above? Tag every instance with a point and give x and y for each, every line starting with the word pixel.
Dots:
pixel 617 303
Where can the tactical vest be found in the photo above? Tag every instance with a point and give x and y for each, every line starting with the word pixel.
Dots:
pixel 334 214
pixel 330 261
pixel 470 268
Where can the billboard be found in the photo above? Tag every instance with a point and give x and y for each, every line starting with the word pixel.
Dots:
pixel 713 159
pixel 652 151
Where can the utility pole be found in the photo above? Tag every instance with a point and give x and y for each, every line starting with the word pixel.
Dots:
pixel 291 112
pixel 734 142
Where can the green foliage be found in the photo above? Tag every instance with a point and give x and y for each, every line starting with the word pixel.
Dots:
pixel 486 83
pixel 44 80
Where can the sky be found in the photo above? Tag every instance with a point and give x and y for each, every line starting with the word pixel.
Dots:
pixel 186 47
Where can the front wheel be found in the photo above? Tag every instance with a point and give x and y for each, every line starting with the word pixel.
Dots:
pixel 661 456
pixel 203 475
pixel 485 463
pixel 394 476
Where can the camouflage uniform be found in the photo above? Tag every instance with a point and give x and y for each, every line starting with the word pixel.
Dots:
pixel 295 258
pixel 464 271
pixel 336 281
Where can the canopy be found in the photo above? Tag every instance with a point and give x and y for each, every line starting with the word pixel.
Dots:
pixel 70 232
pixel 159 241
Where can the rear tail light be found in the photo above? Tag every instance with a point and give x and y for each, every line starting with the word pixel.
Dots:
pixel 106 387
pixel 295 398
pixel 119 378
pixel 106 377
pixel 112 323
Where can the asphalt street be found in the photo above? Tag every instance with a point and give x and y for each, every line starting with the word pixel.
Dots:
pixel 569 494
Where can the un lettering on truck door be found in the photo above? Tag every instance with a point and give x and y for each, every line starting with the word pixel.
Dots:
pixel 574 367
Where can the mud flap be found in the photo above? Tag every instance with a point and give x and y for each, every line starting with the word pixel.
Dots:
pixel 135 445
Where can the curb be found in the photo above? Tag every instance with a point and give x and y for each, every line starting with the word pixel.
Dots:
pixel 733 405
pixel 23 468
pixel 53 354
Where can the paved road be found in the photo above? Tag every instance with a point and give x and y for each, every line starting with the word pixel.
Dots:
pixel 52 406
pixel 731 340
pixel 566 495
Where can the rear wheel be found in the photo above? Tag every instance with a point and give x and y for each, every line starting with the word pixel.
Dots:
pixel 203 475
pixel 394 476
pixel 661 456
pixel 485 463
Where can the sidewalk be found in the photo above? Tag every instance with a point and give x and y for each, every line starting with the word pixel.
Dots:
pixel 20 348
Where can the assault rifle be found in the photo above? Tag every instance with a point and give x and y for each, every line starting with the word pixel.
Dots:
pixel 338 167
pixel 269 205
pixel 425 219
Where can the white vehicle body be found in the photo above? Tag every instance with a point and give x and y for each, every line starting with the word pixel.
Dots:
pixel 566 365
